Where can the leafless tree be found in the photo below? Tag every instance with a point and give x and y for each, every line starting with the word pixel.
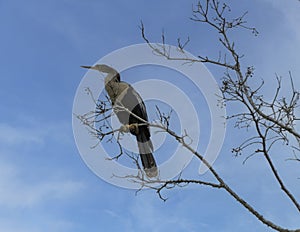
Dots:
pixel 274 121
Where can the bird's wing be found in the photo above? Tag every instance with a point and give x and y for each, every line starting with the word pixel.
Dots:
pixel 131 100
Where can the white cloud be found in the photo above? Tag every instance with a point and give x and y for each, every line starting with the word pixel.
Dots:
pixel 10 135
pixel 47 225
pixel 290 13
pixel 16 192
pixel 21 191
pixel 147 215
pixel 33 132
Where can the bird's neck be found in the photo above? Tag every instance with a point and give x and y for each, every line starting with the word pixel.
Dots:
pixel 111 86
pixel 113 76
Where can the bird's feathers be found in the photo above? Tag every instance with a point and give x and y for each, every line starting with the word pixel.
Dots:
pixel 123 96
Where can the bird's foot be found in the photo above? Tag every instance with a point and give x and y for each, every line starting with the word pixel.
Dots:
pixel 125 128
pixel 134 128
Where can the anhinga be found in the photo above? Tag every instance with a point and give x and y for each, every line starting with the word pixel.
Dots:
pixel 123 95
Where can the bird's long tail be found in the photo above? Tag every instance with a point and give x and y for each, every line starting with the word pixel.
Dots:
pixel 145 150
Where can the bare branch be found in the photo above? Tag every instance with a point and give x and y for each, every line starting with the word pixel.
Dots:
pixel 273 120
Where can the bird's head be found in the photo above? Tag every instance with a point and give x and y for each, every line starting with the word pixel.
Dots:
pixel 112 73
pixel 101 68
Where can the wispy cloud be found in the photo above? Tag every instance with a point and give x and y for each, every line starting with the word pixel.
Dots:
pixel 10 135
pixel 148 216
pixel 47 225
pixel 25 197
pixel 290 14
pixel 16 192
pixel 30 132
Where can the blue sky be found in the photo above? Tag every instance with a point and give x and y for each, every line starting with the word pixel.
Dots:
pixel 45 185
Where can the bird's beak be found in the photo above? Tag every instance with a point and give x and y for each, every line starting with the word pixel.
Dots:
pixel 84 66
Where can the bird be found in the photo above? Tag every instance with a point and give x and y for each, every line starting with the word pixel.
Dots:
pixel 133 115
